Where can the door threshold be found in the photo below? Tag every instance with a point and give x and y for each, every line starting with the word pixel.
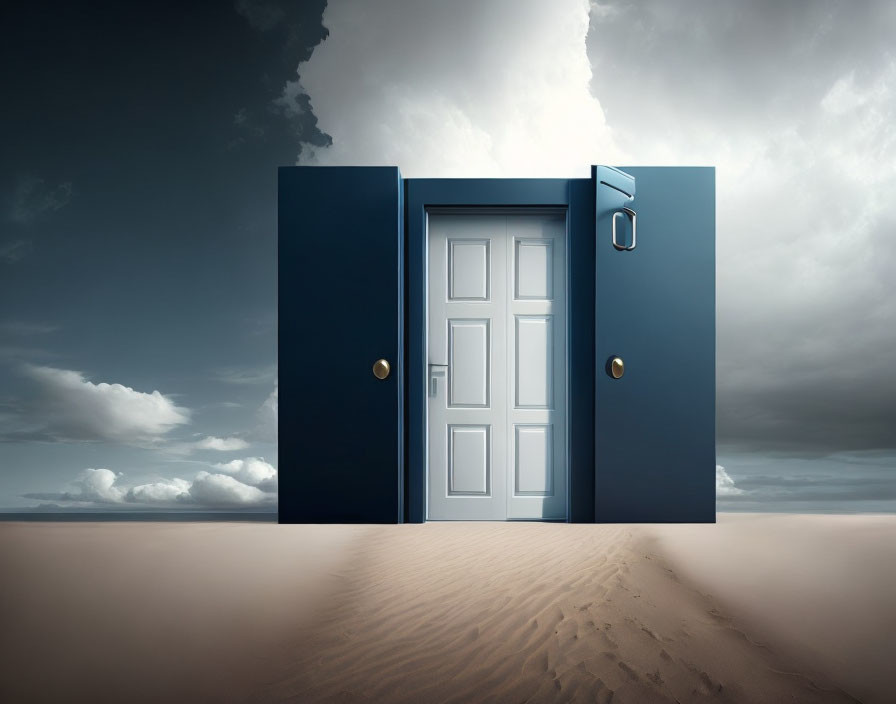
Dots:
pixel 497 520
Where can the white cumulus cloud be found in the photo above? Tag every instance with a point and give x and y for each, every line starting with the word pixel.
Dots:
pixel 223 490
pixel 461 88
pixel 250 483
pixel 97 485
pixel 253 471
pixel 70 407
pixel 93 487
pixel 165 492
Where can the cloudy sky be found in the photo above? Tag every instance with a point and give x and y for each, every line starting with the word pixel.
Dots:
pixel 138 230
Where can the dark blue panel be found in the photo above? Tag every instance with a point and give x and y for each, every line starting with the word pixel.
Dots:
pixel 578 197
pixel 655 308
pixel 433 192
pixel 340 309
pixel 581 350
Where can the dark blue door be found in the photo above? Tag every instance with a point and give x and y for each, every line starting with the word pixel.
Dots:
pixel 655 316
pixel 341 322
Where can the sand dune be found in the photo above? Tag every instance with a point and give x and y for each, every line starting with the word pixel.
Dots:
pixel 440 612
pixel 530 612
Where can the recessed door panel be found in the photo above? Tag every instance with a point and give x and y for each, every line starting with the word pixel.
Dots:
pixel 468 270
pixel 534 364
pixel 468 363
pixel 468 460
pixel 534 269
pixel 533 460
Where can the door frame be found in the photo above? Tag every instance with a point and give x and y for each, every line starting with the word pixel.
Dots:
pixel 576 197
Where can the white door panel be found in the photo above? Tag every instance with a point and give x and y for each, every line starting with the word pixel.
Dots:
pixel 468 362
pixel 533 371
pixel 469 456
pixel 534 460
pixel 468 277
pixel 497 374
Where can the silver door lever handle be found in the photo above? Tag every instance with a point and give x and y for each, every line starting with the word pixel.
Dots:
pixel 436 371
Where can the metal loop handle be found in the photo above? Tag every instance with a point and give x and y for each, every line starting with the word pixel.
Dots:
pixel 634 216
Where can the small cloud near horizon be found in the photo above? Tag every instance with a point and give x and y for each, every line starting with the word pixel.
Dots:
pixel 725 484
pixel 250 482
pixel 221 444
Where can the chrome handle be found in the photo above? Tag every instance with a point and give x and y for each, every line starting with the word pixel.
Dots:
pixel 436 371
pixel 634 216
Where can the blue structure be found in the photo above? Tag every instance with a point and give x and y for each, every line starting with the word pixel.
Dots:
pixel 640 339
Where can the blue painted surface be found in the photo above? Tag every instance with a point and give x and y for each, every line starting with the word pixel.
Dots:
pixel 580 346
pixel 576 195
pixel 655 308
pixel 340 309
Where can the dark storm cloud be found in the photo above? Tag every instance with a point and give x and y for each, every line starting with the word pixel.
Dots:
pixel 261 15
pixel 296 29
pixel 795 103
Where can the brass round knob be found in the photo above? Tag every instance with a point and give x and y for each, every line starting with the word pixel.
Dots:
pixel 381 369
pixel 616 367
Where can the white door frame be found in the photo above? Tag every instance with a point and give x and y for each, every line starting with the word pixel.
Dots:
pixel 498 210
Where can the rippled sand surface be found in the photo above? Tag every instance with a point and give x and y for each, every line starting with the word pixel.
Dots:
pixel 445 612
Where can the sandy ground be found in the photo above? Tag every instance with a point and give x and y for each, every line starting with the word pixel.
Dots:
pixel 822 588
pixel 753 609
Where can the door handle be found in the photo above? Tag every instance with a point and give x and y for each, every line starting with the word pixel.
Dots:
pixel 615 367
pixel 381 369
pixel 634 216
pixel 436 371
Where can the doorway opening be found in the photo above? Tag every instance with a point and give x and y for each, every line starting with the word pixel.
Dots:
pixel 496 364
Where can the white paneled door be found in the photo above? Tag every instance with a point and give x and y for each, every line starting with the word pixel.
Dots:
pixel 497 366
